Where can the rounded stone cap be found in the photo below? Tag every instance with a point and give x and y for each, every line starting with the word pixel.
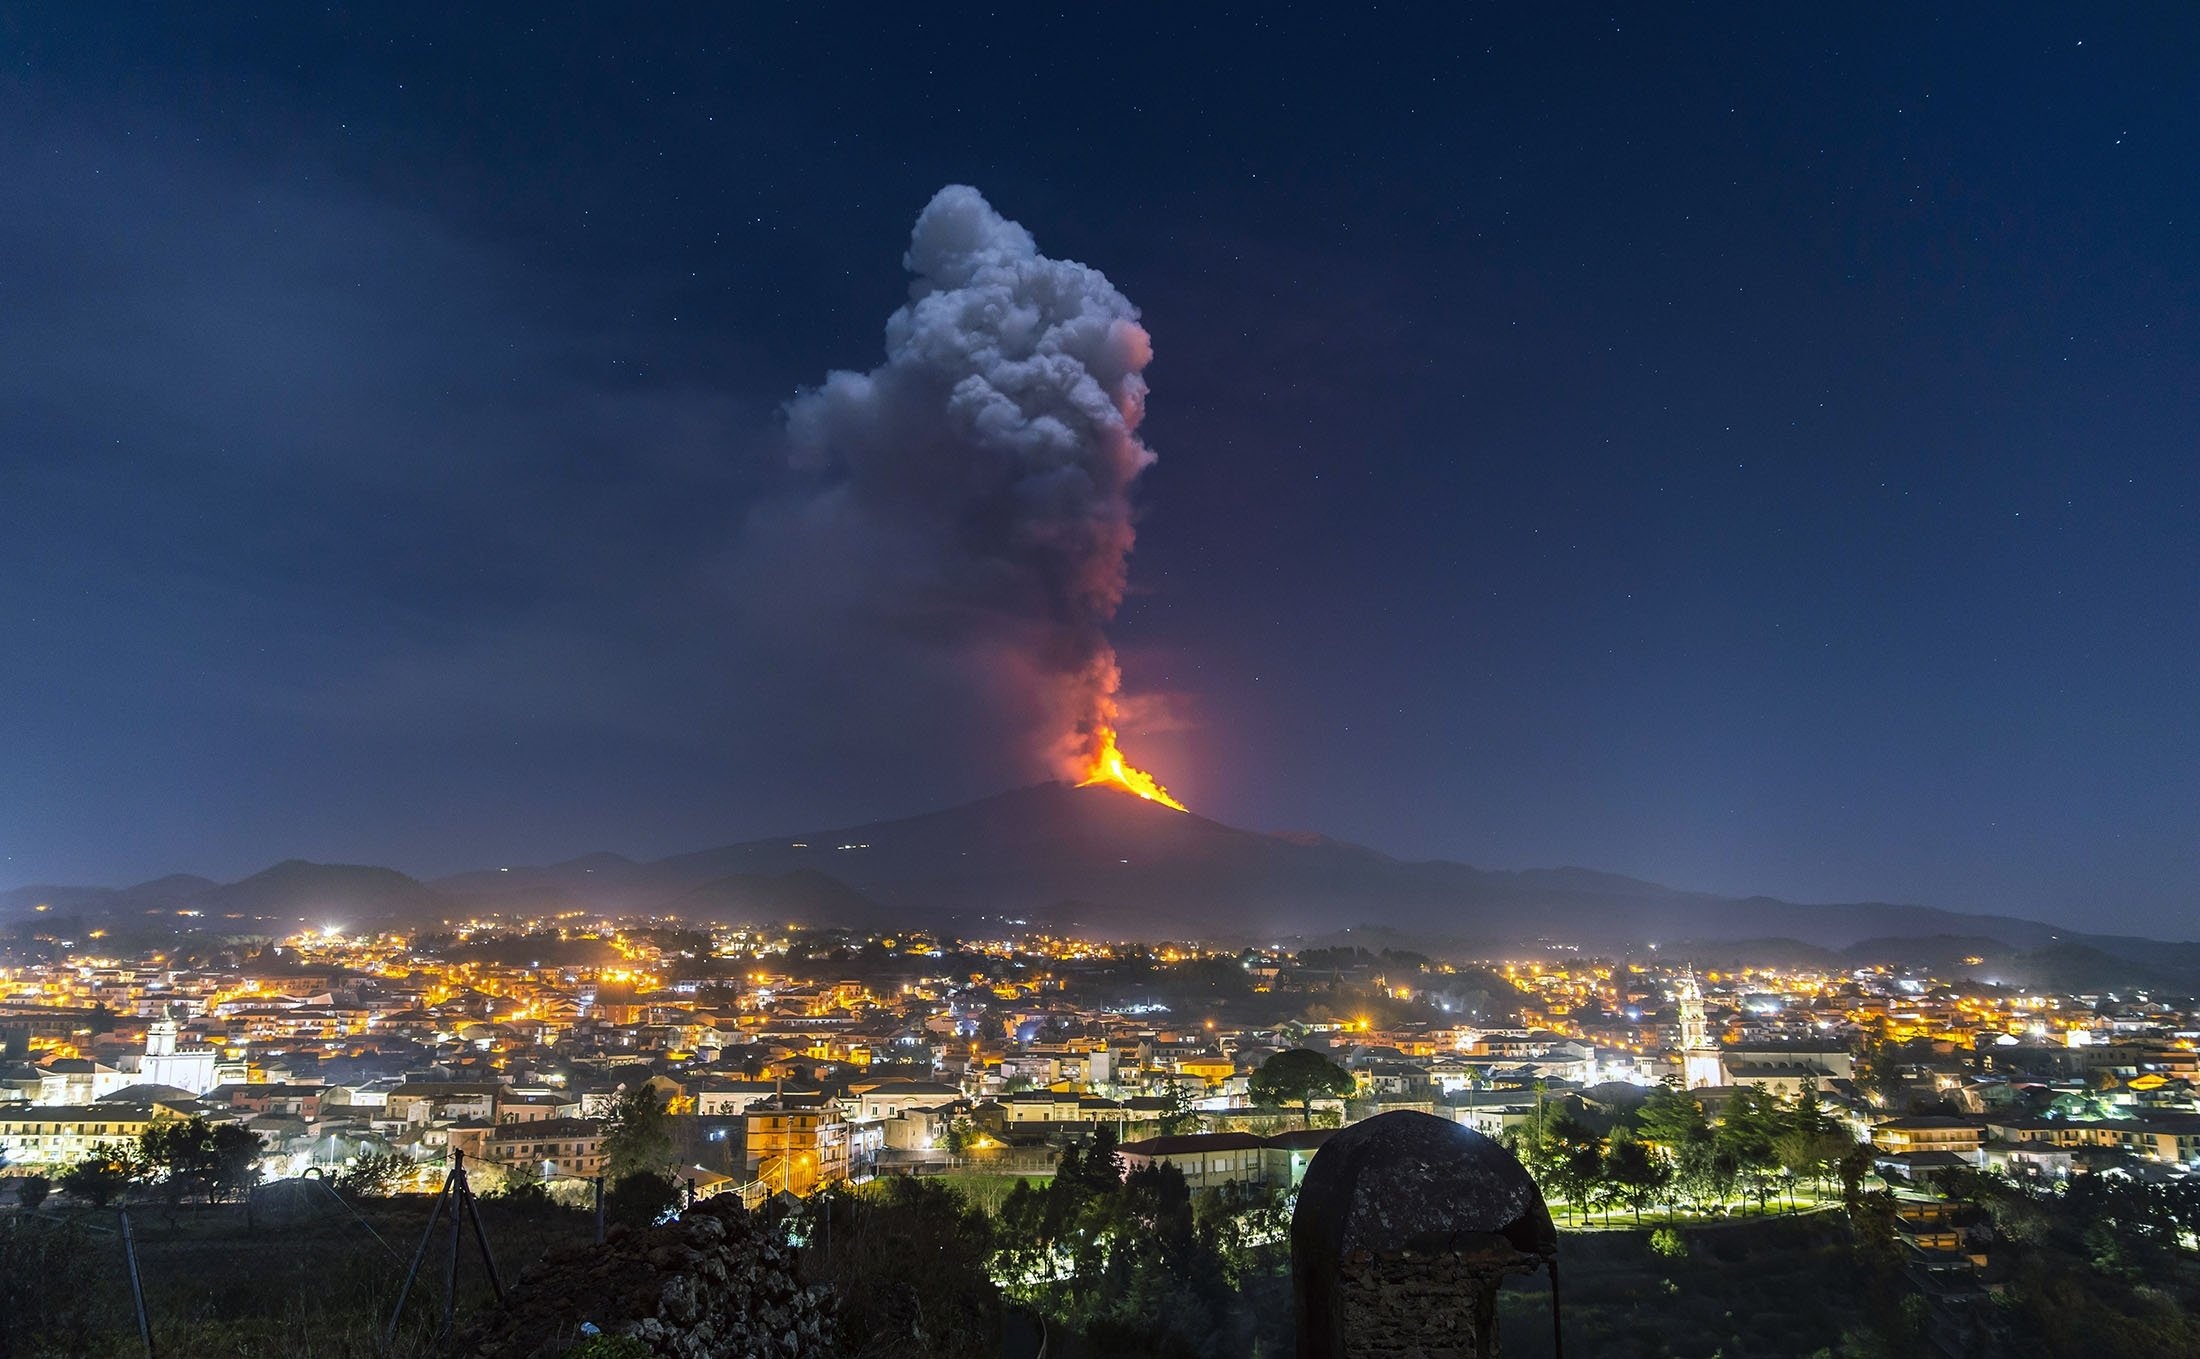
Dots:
pixel 1407 1181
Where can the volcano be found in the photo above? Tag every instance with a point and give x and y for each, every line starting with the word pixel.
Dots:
pixel 1112 865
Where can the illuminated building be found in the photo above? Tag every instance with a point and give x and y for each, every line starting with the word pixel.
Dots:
pixel 1701 1063
pixel 796 1145
pixel 166 1063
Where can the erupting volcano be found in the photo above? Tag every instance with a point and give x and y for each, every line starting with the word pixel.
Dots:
pixel 973 493
pixel 1105 765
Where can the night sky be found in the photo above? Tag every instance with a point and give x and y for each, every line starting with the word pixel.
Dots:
pixel 1690 443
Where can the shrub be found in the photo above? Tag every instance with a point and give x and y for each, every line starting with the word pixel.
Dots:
pixel 32 1190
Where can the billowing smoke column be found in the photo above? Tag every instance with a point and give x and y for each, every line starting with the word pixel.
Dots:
pixel 995 450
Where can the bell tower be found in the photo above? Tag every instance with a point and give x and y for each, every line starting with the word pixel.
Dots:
pixel 1701 1063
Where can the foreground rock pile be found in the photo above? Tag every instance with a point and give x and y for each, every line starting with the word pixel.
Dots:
pixel 714 1283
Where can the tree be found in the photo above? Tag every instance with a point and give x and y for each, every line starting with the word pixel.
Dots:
pixel 1177 1116
pixel 1125 1260
pixel 197 1159
pixel 1811 1153
pixel 1299 1076
pixel 1747 1127
pixel 1671 1118
pixel 1634 1173
pixel 641 1197
pixel 236 1152
pixel 521 1186
pixel 637 1135
pixel 1101 1169
pixel 1564 1155
pixel 1809 1116
pixel 1853 1166
pixel 906 1259
pixel 31 1190
pixel 103 1174
pixel 374 1173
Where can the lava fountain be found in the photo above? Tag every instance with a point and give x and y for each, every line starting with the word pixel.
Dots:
pixel 1106 767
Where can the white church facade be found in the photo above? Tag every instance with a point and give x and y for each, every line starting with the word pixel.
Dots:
pixel 167 1063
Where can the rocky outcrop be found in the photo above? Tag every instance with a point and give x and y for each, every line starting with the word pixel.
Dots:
pixel 717 1282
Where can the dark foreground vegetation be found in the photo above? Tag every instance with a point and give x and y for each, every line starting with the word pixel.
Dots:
pixel 1104 1266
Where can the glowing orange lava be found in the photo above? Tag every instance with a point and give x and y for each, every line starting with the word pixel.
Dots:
pixel 1106 765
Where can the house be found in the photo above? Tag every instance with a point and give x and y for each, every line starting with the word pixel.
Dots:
pixel 1210 1160
pixel 731 1099
pixel 796 1144
pixel 431 1101
pixel 1037 1107
pixel 1212 1069
pixel 892 1099
pixel 63 1134
pixel 77 1080
pixel 1928 1132
pixel 1207 1160
pixel 2168 1138
pixel 548 1147
pixel 1919 1147
pixel 298 1101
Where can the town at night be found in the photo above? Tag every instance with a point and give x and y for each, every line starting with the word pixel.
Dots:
pixel 1204 682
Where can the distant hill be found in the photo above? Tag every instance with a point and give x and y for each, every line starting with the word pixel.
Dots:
pixel 1113 864
pixel 1117 866
pixel 24 900
pixel 346 894
pixel 801 897
pixel 169 890
pixel 160 893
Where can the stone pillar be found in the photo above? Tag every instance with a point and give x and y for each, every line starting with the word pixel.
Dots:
pixel 1406 1226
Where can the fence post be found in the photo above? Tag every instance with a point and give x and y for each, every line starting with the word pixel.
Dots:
pixel 137 1289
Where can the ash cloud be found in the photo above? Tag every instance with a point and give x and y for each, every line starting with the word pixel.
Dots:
pixel 967 503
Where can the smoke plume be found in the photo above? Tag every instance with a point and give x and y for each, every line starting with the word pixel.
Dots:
pixel 972 492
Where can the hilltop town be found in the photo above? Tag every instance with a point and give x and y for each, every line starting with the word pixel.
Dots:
pixel 793 1059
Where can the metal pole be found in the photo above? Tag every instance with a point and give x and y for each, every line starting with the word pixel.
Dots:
pixel 137 1289
pixel 389 1336
pixel 599 1209
pixel 450 1266
pixel 481 1237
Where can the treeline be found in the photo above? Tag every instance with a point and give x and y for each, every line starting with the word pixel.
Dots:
pixel 2100 1266
pixel 1668 1153
pixel 180 1159
pixel 1110 1264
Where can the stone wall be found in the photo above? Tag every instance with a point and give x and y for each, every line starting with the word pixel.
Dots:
pixel 715 1282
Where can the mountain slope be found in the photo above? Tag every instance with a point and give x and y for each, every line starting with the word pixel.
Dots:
pixel 311 893
pixel 1115 864
pixel 1094 859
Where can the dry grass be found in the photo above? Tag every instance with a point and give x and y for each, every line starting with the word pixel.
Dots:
pixel 295 1280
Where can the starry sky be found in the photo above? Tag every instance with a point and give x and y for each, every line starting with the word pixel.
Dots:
pixel 1747 448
